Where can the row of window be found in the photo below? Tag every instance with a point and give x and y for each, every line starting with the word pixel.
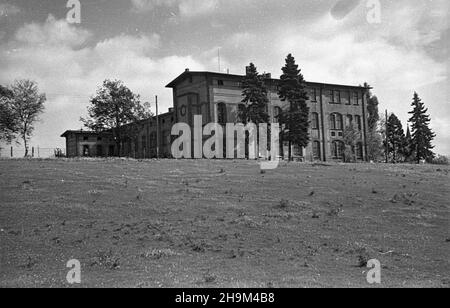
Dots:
pixel 337 122
pixel 336 119
pixel 337 97
pixel 337 150
pixel 334 96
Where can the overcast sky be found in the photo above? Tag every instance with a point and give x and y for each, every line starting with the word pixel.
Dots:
pixel 147 43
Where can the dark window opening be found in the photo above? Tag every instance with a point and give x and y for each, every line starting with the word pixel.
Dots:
pixel 337 149
pixel 315 121
pixel 336 122
pixel 222 114
pixel 316 150
pixel 358 122
pixel 86 152
pixel 99 151
pixel 111 150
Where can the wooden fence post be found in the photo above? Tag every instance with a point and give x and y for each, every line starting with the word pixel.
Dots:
pixel 12 153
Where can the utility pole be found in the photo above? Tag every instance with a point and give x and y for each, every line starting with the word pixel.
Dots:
pixel 157 129
pixel 387 139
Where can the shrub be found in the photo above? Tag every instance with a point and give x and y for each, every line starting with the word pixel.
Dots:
pixel 440 160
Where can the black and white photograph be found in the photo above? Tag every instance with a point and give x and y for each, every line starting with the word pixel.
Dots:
pixel 223 151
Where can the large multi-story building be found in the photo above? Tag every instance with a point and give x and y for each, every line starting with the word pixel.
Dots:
pixel 218 98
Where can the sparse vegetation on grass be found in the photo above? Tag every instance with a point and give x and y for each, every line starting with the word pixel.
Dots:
pixel 305 225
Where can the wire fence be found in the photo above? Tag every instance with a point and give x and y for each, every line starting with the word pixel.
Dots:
pixel 33 152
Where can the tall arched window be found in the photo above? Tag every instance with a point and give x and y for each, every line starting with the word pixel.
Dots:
pixel 153 140
pixel 349 120
pixel 315 120
pixel 358 122
pixel 336 121
pixel 332 121
pixel 359 150
pixel 222 113
pixel 316 149
pixel 339 122
pixel 144 145
pixel 337 149
pixel 241 113
pixel 277 111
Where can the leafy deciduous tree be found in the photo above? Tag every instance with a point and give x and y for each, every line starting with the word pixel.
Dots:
pixel 26 106
pixel 116 108
pixel 351 138
pixel 8 123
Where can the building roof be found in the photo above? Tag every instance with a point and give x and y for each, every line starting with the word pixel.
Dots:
pixel 86 132
pixel 188 73
pixel 82 132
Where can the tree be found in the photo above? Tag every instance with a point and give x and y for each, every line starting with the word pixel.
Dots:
pixel 409 150
pixel 374 140
pixel 116 108
pixel 422 135
pixel 255 97
pixel 396 140
pixel 26 106
pixel 8 122
pixel 351 137
pixel 296 118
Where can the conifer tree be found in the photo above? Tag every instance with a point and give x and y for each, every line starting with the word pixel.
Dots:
pixel 422 135
pixel 296 118
pixel 374 138
pixel 255 97
pixel 409 151
pixel 396 139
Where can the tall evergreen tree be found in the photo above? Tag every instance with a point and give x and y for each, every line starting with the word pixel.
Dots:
pixel 372 108
pixel 396 139
pixel 296 118
pixel 422 135
pixel 255 97
pixel 409 150
pixel 374 139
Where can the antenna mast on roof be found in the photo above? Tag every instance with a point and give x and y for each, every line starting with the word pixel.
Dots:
pixel 218 58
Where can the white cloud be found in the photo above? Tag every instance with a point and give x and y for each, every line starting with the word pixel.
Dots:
pixel 55 55
pixel 52 32
pixel 186 8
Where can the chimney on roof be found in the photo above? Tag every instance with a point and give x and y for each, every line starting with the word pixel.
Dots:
pixel 247 70
pixel 267 75
pixel 187 70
